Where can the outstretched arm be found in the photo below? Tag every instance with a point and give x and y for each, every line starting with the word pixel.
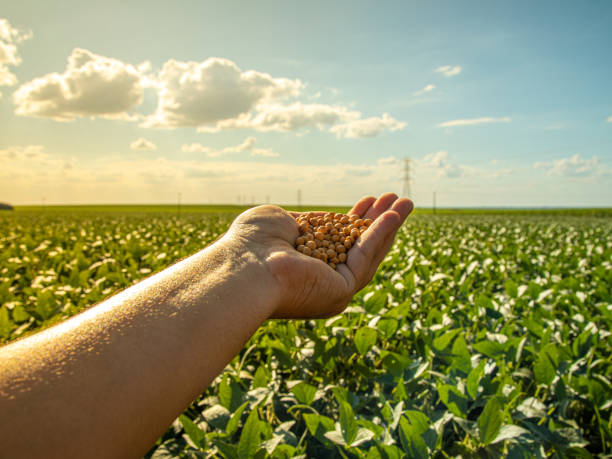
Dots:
pixel 109 381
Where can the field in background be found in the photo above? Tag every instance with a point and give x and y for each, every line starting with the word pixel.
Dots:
pixel 484 333
pixel 220 208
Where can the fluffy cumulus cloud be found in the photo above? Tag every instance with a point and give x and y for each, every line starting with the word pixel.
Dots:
pixel 216 95
pixel 248 145
pixel 449 70
pixel 474 121
pixel 10 37
pixel 92 85
pixel 200 94
pixel 574 166
pixel 143 144
pixel 368 127
pixel 210 96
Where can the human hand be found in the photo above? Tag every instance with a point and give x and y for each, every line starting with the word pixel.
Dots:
pixel 305 286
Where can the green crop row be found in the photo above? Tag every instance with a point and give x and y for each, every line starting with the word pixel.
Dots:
pixel 480 336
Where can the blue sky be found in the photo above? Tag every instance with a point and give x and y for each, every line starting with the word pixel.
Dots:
pixel 496 104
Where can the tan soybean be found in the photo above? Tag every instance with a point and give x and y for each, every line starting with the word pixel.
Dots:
pixel 329 237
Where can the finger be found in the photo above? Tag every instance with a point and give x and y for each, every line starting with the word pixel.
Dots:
pixel 383 203
pixel 368 252
pixel 362 206
pixel 403 207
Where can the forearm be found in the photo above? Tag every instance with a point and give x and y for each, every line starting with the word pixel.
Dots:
pixel 108 382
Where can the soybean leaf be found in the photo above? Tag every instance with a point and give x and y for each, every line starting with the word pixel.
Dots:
pixel 545 366
pixel 418 421
pixel 511 289
pixel 304 392
pixel 454 400
pixel 232 424
pixel 412 443
pixel 473 379
pixel 490 420
pixel 197 435
pixel 260 379
pixel 365 339
pixel 348 424
pixel 230 393
pixel 444 340
pixel 250 437
pixel 510 432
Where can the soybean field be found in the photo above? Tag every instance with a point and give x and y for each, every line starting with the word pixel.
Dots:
pixel 483 334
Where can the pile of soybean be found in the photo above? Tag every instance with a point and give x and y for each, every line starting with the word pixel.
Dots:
pixel 329 237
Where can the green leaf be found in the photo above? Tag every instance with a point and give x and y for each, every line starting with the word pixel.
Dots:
pixel 473 379
pixel 318 425
pixel 231 394
pixel 412 443
pixel 250 438
pixel 228 450
pixel 304 392
pixel 348 424
pixel 362 436
pixel 545 366
pixel 454 400
pixel 418 421
pixel 387 327
pixel 6 326
pixel 376 302
pixel 197 435
pixel 335 437
pixel 510 432
pixel 395 363
pixel 444 340
pixel 217 416
pixel 365 338
pixel 260 379
pixel 232 424
pixel 490 420
pixel 20 314
pixel 511 289
pixel 491 349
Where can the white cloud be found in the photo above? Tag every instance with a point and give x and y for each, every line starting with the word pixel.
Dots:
pixel 247 145
pixel 30 162
pixel 22 152
pixel 143 144
pixel 427 88
pixel 210 96
pixel 201 94
pixel 216 94
pixel 139 177
pixel 573 166
pixel 609 120
pixel 368 127
pixel 448 70
pixel 474 121
pixel 10 37
pixel 91 85
pixel 387 161
pixel 292 117
pixel 439 162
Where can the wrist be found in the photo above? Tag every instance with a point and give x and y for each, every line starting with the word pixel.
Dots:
pixel 245 271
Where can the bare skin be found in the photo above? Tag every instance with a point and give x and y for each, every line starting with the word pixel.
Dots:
pixel 109 381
